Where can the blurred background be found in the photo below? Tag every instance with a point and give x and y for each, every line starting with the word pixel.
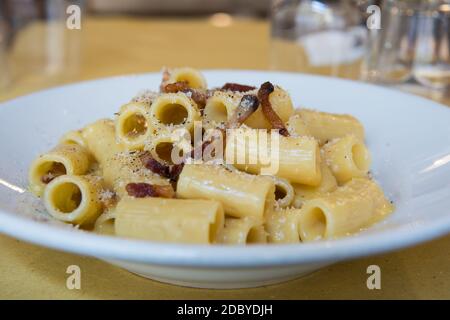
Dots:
pixel 403 44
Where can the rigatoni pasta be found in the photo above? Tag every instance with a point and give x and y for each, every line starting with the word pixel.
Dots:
pixel 74 199
pixel 354 206
pixel 347 158
pixel 172 220
pixel 168 147
pixel 284 192
pixel 326 126
pixel 192 76
pixel 101 140
pixel 242 231
pixel 230 165
pixel 303 192
pixel 105 223
pixel 298 158
pixel 64 159
pixel 282 105
pixel 173 110
pixel 241 194
pixel 73 137
pixel 282 225
pixel 132 125
pixel 220 106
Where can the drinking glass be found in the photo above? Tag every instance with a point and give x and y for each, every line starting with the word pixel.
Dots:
pixel 412 45
pixel 432 56
pixel 36 44
pixel 4 71
pixel 318 36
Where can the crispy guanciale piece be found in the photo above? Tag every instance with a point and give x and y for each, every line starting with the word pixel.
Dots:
pixel 144 190
pixel 165 78
pixel 249 103
pixel 236 87
pixel 163 170
pixel 198 96
pixel 263 94
pixel 153 165
pixel 176 87
pixel 175 172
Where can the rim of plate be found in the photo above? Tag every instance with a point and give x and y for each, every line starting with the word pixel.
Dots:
pixel 110 247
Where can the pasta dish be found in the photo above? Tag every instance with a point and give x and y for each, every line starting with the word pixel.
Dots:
pixel 235 164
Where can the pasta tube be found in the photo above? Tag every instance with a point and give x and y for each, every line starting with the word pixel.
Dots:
pixel 73 137
pixel 296 159
pixel 169 220
pixel 284 192
pixel 282 226
pixel 327 126
pixel 74 199
pixel 70 159
pixel 347 158
pixel 169 148
pixel 101 140
pixel 192 76
pixel 242 231
pixel 356 205
pixel 257 234
pixel 296 126
pixel 281 104
pixel 173 110
pixel 303 192
pixel 241 194
pixel 132 126
pixel 105 223
pixel 220 107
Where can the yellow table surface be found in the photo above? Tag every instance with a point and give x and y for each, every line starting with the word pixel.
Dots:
pixel 112 46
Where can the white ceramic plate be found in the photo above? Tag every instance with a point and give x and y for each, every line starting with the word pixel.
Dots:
pixel 409 138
